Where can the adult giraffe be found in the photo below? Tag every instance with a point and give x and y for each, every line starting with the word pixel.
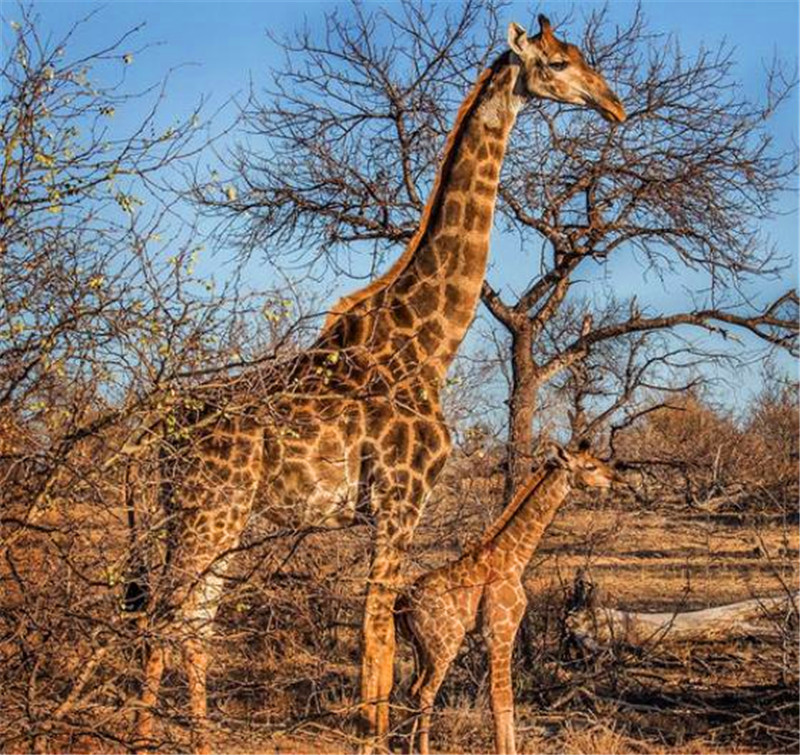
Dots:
pixel 354 426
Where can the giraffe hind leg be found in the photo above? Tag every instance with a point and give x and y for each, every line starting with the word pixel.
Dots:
pixel 421 664
pixel 405 628
pixel 426 700
pixel 151 684
pixel 197 618
pixel 423 673
pixel 438 659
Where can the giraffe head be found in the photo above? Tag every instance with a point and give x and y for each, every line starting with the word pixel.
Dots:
pixel 557 70
pixel 585 469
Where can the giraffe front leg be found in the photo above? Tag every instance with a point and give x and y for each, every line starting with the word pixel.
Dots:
pixel 395 523
pixel 505 606
pixel 377 662
pixel 195 659
pixel 398 497
pixel 386 670
pixel 438 666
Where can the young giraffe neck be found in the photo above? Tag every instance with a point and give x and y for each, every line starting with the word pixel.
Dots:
pixel 519 538
pixel 511 509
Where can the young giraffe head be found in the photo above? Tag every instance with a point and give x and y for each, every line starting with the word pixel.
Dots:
pixel 585 469
pixel 557 70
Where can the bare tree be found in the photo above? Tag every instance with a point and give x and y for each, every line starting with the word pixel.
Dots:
pixel 106 327
pixel 344 142
pixel 102 315
pixel 617 380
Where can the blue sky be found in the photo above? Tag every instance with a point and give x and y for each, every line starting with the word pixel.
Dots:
pixel 220 45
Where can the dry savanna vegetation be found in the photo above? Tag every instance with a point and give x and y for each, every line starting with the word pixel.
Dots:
pixel 120 342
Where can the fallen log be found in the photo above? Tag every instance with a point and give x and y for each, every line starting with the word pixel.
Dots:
pixel 759 617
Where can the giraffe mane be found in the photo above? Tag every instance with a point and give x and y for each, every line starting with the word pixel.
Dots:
pixel 498 525
pixel 349 302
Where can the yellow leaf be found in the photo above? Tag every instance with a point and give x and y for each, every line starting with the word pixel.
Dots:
pixel 45 160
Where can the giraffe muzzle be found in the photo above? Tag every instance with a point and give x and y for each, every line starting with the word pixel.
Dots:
pixel 611 109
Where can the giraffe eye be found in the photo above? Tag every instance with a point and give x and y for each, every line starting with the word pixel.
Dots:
pixel 559 65
pixel 591 467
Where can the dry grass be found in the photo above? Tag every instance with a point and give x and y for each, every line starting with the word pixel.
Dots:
pixel 657 561
pixel 668 701
pixel 284 676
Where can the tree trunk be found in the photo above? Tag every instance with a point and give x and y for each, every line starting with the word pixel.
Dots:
pixel 521 409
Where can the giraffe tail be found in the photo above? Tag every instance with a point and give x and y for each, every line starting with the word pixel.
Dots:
pixel 405 628
pixel 137 593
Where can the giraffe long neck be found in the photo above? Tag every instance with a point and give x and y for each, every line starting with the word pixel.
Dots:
pixel 520 536
pixel 442 285
pixel 419 311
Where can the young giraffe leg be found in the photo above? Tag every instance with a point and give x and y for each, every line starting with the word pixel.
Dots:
pixel 502 696
pixel 422 670
pixel 438 640
pixel 426 698
pixel 504 609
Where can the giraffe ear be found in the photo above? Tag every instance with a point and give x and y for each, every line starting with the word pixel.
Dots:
pixel 517 37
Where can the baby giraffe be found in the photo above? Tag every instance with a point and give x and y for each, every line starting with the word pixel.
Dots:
pixel 483 590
